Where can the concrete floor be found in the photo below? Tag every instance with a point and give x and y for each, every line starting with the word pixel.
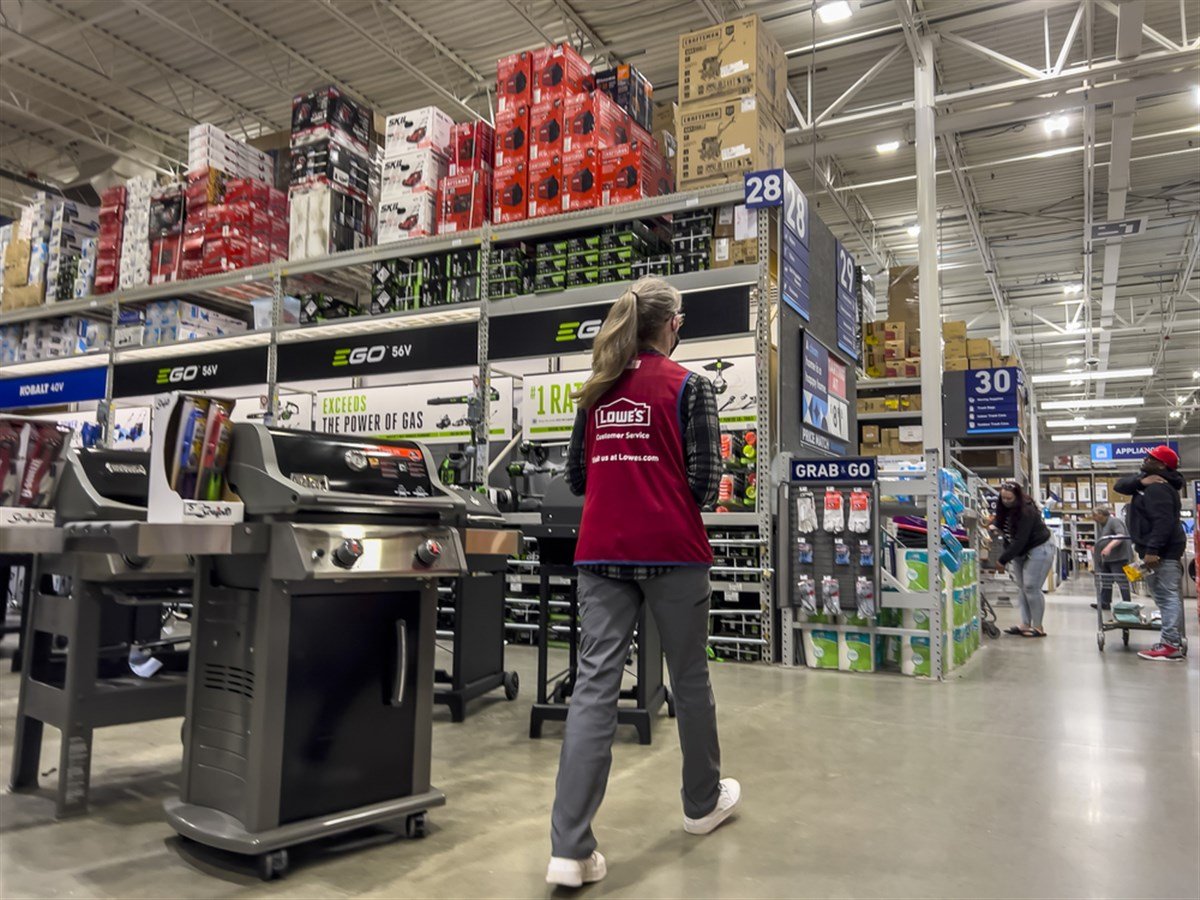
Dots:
pixel 1043 769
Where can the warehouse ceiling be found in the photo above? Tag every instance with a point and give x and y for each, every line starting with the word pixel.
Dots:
pixel 1052 116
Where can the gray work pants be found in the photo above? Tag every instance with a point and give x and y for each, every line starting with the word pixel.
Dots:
pixel 608 610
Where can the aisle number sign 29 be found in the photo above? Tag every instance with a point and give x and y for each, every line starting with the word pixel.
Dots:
pixel 774 187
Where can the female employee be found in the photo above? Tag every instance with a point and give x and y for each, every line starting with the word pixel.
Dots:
pixel 1030 552
pixel 645 455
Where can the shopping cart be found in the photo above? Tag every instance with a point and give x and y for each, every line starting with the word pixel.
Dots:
pixel 1127 616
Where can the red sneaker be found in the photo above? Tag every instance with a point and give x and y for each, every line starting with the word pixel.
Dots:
pixel 1162 651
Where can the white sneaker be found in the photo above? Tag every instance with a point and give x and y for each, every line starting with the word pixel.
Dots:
pixel 727 802
pixel 575 873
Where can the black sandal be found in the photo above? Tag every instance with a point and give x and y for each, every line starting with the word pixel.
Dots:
pixel 1015 629
pixel 1031 633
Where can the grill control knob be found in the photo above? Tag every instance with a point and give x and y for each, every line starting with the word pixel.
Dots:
pixel 428 552
pixel 348 553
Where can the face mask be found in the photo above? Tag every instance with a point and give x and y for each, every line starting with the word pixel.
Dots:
pixel 1009 503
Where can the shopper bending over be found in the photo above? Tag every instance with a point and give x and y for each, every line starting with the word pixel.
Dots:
pixel 645 454
pixel 1154 525
pixel 1110 553
pixel 1028 553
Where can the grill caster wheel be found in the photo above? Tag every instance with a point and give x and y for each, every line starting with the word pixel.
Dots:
pixel 559 694
pixel 512 685
pixel 670 705
pixel 1100 640
pixel 415 825
pixel 273 865
pixel 1125 638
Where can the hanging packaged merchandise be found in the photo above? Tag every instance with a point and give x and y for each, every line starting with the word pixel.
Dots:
pixel 725 490
pixel 866 554
pixel 806 512
pixel 864 590
pixel 751 488
pixel 841 552
pixel 804 552
pixel 835 513
pixel 808 593
pixel 831 595
pixel 860 511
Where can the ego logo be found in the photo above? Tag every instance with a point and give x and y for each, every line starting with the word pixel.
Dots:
pixel 176 375
pixel 578 331
pixel 359 355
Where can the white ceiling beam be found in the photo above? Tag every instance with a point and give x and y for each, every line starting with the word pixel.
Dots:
pixel 994 55
pixel 863 80
pixel 598 44
pixel 520 11
pixel 60 30
pixel 1149 32
pixel 709 10
pixel 912 39
pixel 334 10
pixel 394 8
pixel 1070 38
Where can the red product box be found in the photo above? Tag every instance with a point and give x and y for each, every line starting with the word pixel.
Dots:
pixel 248 190
pixel 593 120
pixel 205 185
pixel 472 146
pixel 259 253
pixel 166 259
pixel 279 231
pixel 277 203
pixel 581 179
pixel 464 201
pixel 514 81
pixel 640 134
pixel 113 196
pixel 545 186
pixel 559 71
pixel 632 171
pixel 546 128
pixel 278 250
pixel 510 192
pixel 512 135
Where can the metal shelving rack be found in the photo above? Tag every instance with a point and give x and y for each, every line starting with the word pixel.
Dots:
pixel 232 291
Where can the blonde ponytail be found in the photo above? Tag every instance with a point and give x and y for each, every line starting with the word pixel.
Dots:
pixel 631 322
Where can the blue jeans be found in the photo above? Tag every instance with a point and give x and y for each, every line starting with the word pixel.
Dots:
pixel 1029 572
pixel 1164 587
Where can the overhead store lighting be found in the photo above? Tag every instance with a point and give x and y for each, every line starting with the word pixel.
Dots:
pixel 887 147
pixel 1094 403
pixel 1081 422
pixel 834 11
pixel 913 230
pixel 1091 435
pixel 1105 375
pixel 1073 361
pixel 1176 414
pixel 1073 288
pixel 1056 124
pixel 1196 375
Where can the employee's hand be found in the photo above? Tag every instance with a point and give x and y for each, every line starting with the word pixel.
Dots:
pixel 1152 559
pixel 1108 548
pixel 1153 479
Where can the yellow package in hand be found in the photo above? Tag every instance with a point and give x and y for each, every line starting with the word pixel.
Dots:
pixel 1132 572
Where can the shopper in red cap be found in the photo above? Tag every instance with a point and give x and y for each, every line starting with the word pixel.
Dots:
pixel 1157 532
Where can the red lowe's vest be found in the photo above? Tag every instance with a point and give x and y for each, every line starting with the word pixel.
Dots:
pixel 638 507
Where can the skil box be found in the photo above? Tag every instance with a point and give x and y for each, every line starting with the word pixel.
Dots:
pixel 418 129
pixel 407 215
pixel 545 186
pixel 721 141
pixel 558 71
pixel 593 120
pixel 415 172
pixel 733 59
pixel 512 134
pixel 510 192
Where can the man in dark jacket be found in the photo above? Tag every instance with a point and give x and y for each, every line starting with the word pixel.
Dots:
pixel 1154 524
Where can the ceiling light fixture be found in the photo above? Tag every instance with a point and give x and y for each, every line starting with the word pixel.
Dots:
pixel 1106 375
pixel 1094 403
pixel 834 11
pixel 1087 436
pixel 1054 124
pixel 1176 414
pixel 1079 421
pixel 1073 361
pixel 913 230
pixel 1077 382
pixel 1196 375
pixel 1073 288
pixel 887 147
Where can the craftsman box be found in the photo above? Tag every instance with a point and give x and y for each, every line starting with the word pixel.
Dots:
pixel 559 71
pixel 465 201
pixel 733 59
pixel 545 186
pixel 514 81
pixel 546 128
pixel 593 120
pixel 472 146
pixel 512 134
pixel 632 171
pixel 581 182
pixel 510 198
pixel 722 141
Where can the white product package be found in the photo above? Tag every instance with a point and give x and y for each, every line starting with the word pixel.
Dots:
pixel 835 513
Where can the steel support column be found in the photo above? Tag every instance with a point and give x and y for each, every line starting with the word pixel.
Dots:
pixel 930 305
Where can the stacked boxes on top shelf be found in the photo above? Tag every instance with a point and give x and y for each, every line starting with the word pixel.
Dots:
pixel 72 226
pixel 135 239
pixel 622 252
pixel 963 352
pixel 329 196
pixel 112 228
pixel 416 159
pixel 403 284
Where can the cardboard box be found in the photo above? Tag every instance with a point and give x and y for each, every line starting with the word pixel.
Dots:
pixel 894 350
pixel 510 192
pixel 632 171
pixel 896 331
pixel 416 172
pixel 464 201
pixel 981 362
pixel 955 347
pixel 631 91
pixel 1007 361
pixel 320 161
pixel 732 59
pixel 914 345
pixel 911 434
pixel 581 180
pixel 593 120
pixel 980 347
pixel 545 186
pixel 559 71
pixel 427 128
pixel 472 146
pixel 327 113
pixel 870 434
pixel 514 81
pixel 865 449
pixel 869 404
pixel 408 215
pixel 512 135
pixel 546 128
pixel 722 141
pixel 954 330
pixel 912 368
pixel 956 364
pixel 903 296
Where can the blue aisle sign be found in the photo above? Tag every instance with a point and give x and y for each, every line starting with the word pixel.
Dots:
pixel 775 187
pixel 992 400
pixel 847 303
pixel 848 469
pixel 1127 451
pixel 61 387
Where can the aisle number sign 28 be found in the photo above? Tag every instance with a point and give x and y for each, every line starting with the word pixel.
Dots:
pixel 774 187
